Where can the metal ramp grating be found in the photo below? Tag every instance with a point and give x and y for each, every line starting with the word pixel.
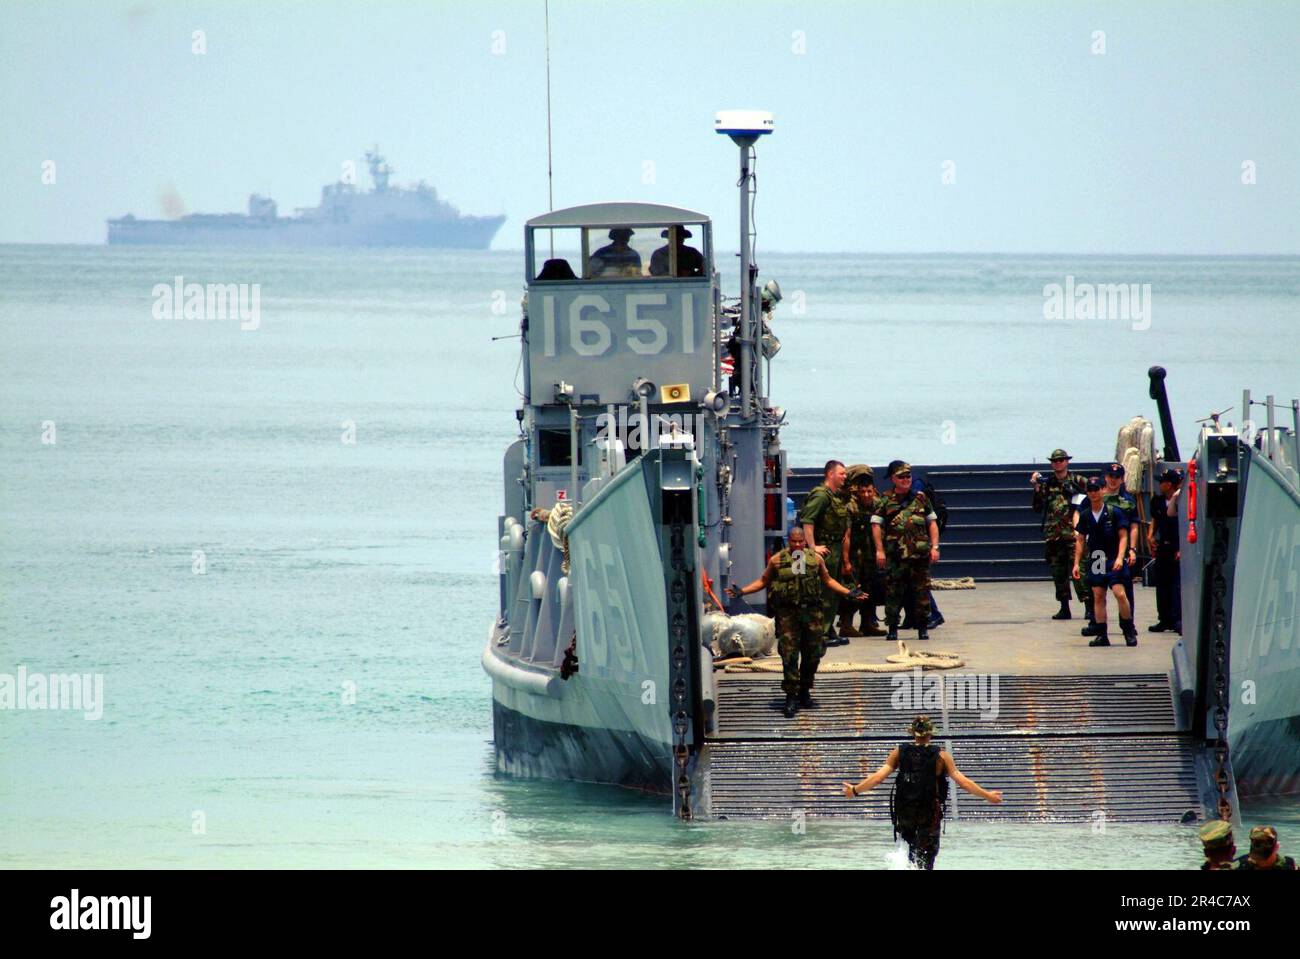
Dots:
pixel 859 706
pixel 1061 748
pixel 1062 779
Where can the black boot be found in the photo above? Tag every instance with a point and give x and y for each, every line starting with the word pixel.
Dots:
pixel 922 632
pixel 1100 639
pixel 1130 632
pixel 1160 627
pixel 892 635
pixel 1064 611
pixel 791 706
pixel 1092 629
pixel 806 700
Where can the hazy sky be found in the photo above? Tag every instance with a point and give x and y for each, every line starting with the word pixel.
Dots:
pixel 1054 147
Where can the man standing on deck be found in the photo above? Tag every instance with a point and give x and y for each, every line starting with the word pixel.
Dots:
pixel 825 519
pixel 794 579
pixel 921 791
pixel 1168 553
pixel 861 481
pixel 1101 547
pixel 905 530
pixel 1114 494
pixel 1054 496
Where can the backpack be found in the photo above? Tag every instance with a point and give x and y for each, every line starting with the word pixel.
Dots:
pixel 919 795
pixel 936 503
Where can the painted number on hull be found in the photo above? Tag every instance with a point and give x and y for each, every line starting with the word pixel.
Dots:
pixel 1278 618
pixel 608 620
pixel 591 327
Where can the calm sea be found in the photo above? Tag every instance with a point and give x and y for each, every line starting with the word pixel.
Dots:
pixel 245 530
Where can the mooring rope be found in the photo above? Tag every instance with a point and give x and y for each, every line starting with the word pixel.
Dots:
pixel 903 661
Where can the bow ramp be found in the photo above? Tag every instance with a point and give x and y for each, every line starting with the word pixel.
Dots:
pixel 1068 733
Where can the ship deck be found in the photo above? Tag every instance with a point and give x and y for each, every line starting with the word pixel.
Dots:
pixel 1077 733
pixel 1005 628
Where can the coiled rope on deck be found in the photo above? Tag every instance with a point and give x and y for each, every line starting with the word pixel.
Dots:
pixel 903 661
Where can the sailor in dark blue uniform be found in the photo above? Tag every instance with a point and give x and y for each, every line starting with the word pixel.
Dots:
pixel 1168 550
pixel 1114 494
pixel 1101 546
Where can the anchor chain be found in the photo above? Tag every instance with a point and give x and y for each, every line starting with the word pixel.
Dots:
pixel 1219 651
pixel 679 592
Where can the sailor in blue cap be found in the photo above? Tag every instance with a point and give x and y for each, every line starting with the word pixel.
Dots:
pixel 1101 548
pixel 1168 553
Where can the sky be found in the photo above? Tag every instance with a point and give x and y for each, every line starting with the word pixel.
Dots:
pixel 1132 127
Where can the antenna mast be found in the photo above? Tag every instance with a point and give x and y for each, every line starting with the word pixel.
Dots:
pixel 745 127
pixel 550 179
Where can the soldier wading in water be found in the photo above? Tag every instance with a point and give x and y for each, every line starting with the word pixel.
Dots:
pixel 795 579
pixel 917 802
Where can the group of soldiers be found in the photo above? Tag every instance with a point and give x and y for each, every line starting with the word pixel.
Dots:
pixel 853 548
pixel 1091 529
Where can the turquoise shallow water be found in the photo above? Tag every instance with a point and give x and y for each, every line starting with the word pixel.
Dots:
pixel 333 566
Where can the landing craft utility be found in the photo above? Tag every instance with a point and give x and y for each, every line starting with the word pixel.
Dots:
pixel 617 548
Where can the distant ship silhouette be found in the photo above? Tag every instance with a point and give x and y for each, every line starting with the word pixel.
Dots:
pixel 383 216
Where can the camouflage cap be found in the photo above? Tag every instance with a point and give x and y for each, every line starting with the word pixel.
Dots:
pixel 860 474
pixel 1263 840
pixel 1060 454
pixel 1216 834
pixel 922 725
pixel 898 466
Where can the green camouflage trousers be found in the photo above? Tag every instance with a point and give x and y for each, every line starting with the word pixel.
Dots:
pixel 899 575
pixel 801 641
pixel 1060 556
pixel 830 599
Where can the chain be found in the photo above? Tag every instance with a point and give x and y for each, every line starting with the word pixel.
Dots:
pixel 1219 650
pixel 678 594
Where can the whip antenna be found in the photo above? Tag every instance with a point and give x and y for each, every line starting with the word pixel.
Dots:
pixel 550 179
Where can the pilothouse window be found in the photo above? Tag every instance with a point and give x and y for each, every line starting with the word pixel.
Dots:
pixel 553 448
pixel 655 252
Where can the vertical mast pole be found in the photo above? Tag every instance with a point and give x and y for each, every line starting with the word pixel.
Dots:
pixel 747 337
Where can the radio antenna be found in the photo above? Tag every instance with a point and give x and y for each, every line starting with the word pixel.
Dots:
pixel 550 178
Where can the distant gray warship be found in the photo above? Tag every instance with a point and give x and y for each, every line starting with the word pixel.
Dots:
pixel 384 216
pixel 648 476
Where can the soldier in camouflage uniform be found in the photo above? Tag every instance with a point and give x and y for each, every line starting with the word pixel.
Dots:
pixel 825 519
pixel 1053 496
pixel 861 482
pixel 795 579
pixel 1217 843
pixel 1265 852
pixel 905 529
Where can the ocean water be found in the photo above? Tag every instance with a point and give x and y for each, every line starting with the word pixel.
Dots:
pixel 289 624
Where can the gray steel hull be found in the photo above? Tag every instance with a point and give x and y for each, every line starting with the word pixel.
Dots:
pixel 1264 717
pixel 610 722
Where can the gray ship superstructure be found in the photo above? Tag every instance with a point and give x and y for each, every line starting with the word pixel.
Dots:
pixel 384 216
pixel 648 476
